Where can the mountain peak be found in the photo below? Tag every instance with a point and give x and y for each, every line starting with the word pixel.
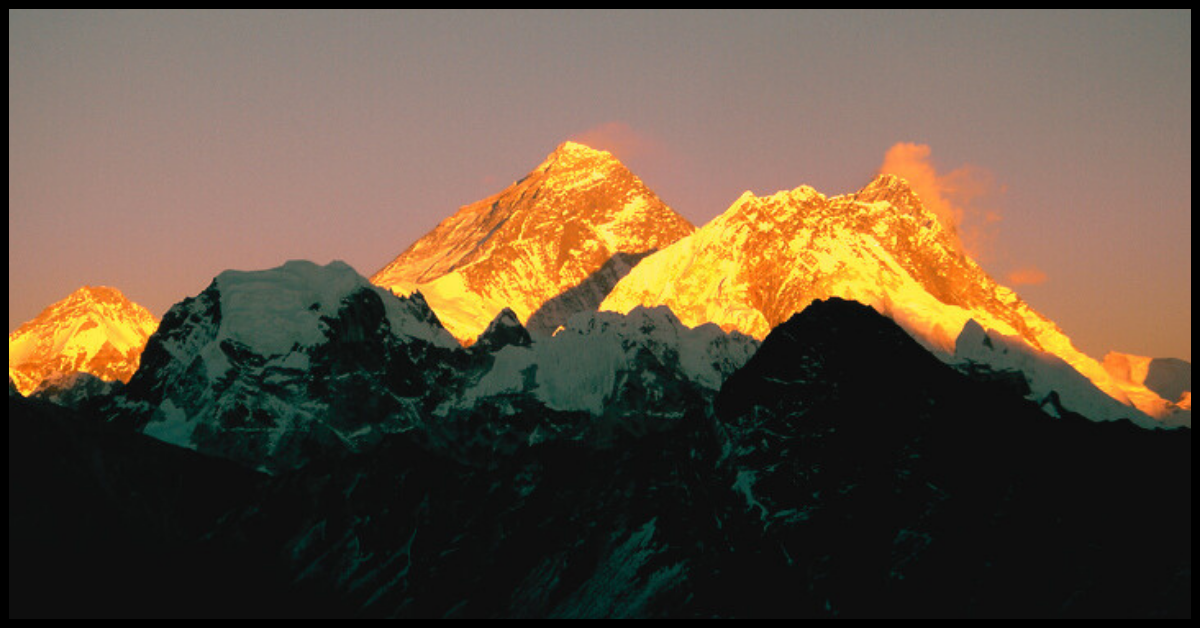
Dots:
pixel 101 293
pixel 101 300
pixel 766 258
pixel 888 180
pixel 571 155
pixel 578 148
pixel 544 234
pixel 892 188
pixel 95 329
pixel 505 330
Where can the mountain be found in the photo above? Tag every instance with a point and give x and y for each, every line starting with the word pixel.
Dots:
pixel 74 389
pixel 580 218
pixel 269 367
pixel 884 482
pixel 276 367
pixel 842 471
pixel 601 374
pixel 94 330
pixel 766 258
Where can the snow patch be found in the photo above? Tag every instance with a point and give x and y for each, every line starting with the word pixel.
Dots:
pixel 171 425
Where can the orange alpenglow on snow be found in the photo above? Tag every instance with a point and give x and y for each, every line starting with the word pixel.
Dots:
pixel 569 229
pixel 766 258
pixel 95 330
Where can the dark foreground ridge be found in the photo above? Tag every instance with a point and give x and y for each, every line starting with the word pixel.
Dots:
pixel 844 472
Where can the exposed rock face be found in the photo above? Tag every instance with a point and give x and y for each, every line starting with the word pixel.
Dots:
pixel 538 238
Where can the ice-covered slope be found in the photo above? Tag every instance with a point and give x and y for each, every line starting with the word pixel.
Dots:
pixel 631 368
pixel 1051 382
pixel 766 258
pixel 545 234
pixel 266 367
pixel 95 330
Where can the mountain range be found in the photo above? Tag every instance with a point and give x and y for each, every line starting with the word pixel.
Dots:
pixel 582 233
pixel 568 401
pixel 842 471
pixel 748 269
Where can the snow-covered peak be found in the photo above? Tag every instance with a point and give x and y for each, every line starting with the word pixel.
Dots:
pixel 886 182
pixel 276 310
pixel 506 319
pixel 263 366
pixel 95 329
pixel 99 295
pixel 766 258
pixel 572 154
pixel 102 301
pixel 543 235
pixel 505 330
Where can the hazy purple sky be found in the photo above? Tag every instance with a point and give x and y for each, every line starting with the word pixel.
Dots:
pixel 150 150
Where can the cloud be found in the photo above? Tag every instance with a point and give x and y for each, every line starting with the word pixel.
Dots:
pixel 960 198
pixel 1026 276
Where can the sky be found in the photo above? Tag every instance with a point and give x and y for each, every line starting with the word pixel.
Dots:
pixel 151 150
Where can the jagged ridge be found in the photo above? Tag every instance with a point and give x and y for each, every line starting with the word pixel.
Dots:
pixel 766 258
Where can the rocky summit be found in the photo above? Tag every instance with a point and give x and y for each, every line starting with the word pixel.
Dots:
pixel 545 234
pixel 94 330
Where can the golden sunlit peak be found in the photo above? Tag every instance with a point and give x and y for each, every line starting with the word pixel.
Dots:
pixel 575 151
pixel 888 181
pixel 574 146
pixel 579 159
pixel 101 293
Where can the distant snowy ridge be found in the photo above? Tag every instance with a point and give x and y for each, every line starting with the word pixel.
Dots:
pixel 597 360
pixel 1054 384
pixel 95 330
pixel 1171 378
